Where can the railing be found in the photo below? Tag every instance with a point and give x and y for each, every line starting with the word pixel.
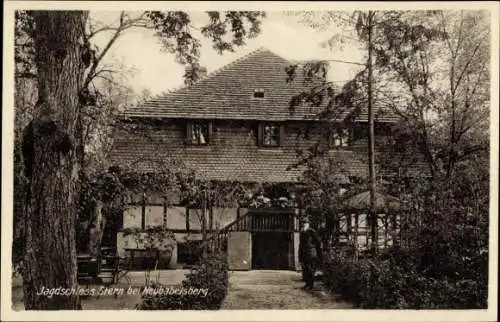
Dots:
pixel 256 220
pixel 272 222
pixel 219 239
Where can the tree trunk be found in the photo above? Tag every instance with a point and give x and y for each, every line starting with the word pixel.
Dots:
pixel 371 137
pixel 51 208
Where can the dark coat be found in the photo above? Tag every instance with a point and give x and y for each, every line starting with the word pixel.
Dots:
pixel 310 246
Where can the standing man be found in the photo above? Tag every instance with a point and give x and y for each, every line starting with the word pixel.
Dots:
pixel 309 253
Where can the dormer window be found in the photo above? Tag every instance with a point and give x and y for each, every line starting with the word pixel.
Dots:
pixel 198 132
pixel 258 93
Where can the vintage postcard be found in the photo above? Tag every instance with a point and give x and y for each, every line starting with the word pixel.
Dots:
pixel 250 161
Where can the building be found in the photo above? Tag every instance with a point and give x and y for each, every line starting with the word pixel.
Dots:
pixel 236 124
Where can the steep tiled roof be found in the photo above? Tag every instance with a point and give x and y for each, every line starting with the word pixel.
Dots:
pixel 227 164
pixel 237 164
pixel 228 93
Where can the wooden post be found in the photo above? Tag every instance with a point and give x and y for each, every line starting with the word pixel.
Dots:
pixel 211 219
pixel 371 136
pixel 165 211
pixel 356 233
pixel 386 228
pixel 143 211
pixel 204 216
pixel 187 219
pixel 348 225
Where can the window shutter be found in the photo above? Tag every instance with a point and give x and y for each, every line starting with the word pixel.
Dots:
pixel 210 132
pixel 189 131
pixel 165 211
pixel 260 134
pixel 282 135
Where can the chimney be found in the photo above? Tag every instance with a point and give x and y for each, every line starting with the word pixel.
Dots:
pixel 202 72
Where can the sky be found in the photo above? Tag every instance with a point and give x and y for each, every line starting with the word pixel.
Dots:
pixel 157 71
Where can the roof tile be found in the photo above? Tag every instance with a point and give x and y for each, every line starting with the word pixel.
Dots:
pixel 228 93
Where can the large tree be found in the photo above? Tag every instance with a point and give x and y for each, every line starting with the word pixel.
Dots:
pixel 436 76
pixel 429 67
pixel 50 259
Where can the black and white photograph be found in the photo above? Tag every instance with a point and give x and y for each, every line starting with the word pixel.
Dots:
pixel 312 157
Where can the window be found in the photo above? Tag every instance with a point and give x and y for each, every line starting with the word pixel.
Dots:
pixel 339 138
pixel 199 133
pixel 270 135
pixel 258 93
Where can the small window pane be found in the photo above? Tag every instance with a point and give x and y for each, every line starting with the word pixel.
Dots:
pixel 270 135
pixel 340 138
pixel 199 134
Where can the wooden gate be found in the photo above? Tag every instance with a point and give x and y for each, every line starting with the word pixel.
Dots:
pixel 263 238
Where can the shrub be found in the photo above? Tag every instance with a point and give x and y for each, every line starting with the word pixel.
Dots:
pixel 395 282
pixel 211 273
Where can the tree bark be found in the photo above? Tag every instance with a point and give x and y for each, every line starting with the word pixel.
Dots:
pixel 51 209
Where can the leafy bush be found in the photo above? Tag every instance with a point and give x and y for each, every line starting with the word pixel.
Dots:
pixel 394 282
pixel 211 273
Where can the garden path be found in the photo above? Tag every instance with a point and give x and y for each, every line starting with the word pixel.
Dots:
pixel 266 289
pixel 256 289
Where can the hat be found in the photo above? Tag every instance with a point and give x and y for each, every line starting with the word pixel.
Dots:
pixel 305 220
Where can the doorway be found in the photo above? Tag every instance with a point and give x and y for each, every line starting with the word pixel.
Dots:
pixel 272 250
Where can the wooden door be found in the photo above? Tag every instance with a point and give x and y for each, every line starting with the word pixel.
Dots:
pixel 272 250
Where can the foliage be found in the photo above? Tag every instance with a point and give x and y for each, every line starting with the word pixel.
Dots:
pixel 261 201
pixel 431 68
pixel 174 29
pixel 441 63
pixel 324 181
pixel 442 261
pixel 153 237
pixel 210 273
pixel 388 284
pixel 153 240
pixel 116 184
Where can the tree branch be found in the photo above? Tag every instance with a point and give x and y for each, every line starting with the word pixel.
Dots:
pixel 105 28
pixel 470 151
pixel 124 25
pixel 460 77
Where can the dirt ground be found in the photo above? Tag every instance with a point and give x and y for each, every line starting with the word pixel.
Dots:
pixel 258 289
pixel 133 280
pixel 261 289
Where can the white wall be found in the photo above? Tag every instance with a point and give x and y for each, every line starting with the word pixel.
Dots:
pixel 176 217
pixel 132 217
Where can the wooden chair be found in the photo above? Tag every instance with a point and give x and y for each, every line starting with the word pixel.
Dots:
pixel 88 268
pixel 109 263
